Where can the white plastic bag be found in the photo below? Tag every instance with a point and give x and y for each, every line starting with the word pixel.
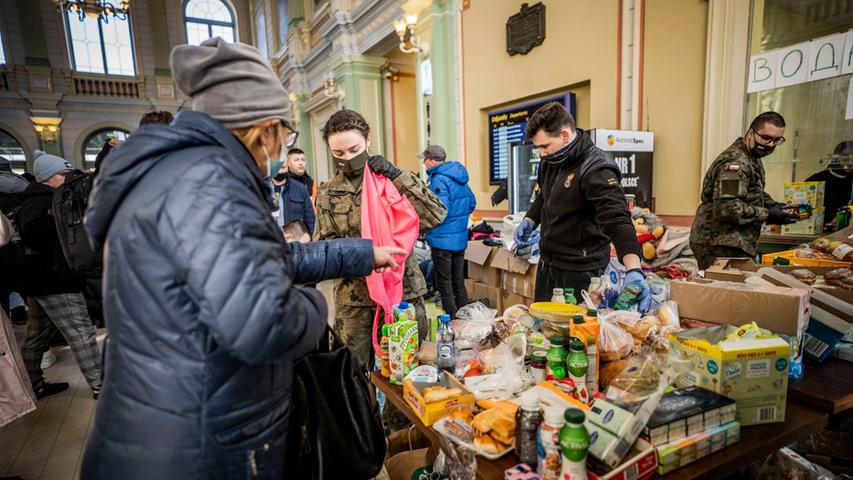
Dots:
pixel 474 322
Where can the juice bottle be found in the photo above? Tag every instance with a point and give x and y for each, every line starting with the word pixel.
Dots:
pixel 574 444
pixel 385 352
pixel 527 420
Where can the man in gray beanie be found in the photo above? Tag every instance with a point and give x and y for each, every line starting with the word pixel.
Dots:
pixel 54 292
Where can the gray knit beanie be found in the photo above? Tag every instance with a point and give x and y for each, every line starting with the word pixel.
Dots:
pixel 47 165
pixel 231 82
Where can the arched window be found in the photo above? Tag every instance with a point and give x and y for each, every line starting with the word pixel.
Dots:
pixel 11 150
pixel 208 18
pixel 102 46
pixel 95 143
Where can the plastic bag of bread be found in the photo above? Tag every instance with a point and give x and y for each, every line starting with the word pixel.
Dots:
pixel 836 277
pixel 631 378
pixel 614 342
pixel 838 244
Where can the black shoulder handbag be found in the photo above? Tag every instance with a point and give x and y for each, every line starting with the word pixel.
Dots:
pixel 335 427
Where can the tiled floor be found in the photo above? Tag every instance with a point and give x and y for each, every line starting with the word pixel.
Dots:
pixel 48 443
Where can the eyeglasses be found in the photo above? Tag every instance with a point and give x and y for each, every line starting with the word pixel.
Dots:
pixel 290 136
pixel 768 140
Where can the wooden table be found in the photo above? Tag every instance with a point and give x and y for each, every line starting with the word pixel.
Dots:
pixel 807 411
pixel 827 387
pixel 486 469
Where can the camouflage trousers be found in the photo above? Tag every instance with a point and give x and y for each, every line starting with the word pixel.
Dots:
pixel 355 326
pixel 706 254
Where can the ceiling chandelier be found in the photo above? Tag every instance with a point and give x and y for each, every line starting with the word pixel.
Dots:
pixel 94 9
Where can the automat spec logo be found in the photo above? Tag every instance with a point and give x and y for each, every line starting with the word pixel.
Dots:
pixel 712 367
pixel 781 363
pixel 611 139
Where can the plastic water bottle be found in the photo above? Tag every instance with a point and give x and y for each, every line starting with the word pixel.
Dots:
pixel 558 296
pixel 444 346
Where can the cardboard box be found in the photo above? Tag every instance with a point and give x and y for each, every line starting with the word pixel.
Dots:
pixel 523 285
pixel 482 290
pixel 641 460
pixel 778 309
pixel 812 193
pixel 469 286
pixel 430 413
pixel 754 373
pixel 479 256
pixel 510 299
pixel 504 260
pixel 807 227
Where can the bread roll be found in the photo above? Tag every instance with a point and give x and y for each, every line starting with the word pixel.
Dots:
pixel 488 445
pixel 440 394
pixel 804 276
pixel 508 440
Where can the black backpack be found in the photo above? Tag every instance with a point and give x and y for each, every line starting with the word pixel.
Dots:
pixel 13 254
pixel 69 207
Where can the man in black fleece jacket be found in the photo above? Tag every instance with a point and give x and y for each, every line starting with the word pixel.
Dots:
pixel 581 208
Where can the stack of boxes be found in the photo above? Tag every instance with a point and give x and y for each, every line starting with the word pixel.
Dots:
pixel 498 275
pixel 806 192
pixel 691 423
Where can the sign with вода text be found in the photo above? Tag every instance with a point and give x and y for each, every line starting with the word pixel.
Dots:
pixel 821 58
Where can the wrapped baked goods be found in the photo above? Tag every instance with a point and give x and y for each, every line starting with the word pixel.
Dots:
pixel 493 418
pixel 488 445
pixel 803 275
pixel 837 276
pixel 631 378
pixel 847 283
pixel 440 394
pixel 614 342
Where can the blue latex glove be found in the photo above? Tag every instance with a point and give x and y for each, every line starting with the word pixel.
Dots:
pixel 522 235
pixel 644 299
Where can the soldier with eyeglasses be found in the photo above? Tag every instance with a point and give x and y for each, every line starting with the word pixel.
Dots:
pixel 734 204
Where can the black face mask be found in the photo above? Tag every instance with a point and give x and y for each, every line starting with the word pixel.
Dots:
pixel 760 150
pixel 557 157
pixel 353 166
pixel 280 177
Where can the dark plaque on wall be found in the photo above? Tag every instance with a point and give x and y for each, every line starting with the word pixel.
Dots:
pixel 525 29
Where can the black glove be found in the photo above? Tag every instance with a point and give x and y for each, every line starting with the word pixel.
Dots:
pixel 383 167
pixel 777 216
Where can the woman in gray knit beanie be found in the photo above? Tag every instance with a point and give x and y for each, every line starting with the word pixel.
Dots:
pixel 203 298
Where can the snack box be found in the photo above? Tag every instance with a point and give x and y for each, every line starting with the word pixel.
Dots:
pixel 640 462
pixel 430 413
pixel 810 226
pixel 522 471
pixel 402 350
pixel 618 425
pixel 687 411
pixel 813 193
pixel 752 372
pixel 677 454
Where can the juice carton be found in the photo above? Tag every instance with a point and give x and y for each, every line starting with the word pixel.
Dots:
pixel 403 347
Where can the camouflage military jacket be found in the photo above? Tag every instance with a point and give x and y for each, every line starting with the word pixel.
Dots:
pixel 734 203
pixel 339 216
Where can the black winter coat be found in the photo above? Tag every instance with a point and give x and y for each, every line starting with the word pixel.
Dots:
pixel 45 270
pixel 582 209
pixel 204 315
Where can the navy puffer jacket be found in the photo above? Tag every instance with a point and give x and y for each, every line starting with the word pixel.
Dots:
pixel 204 317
